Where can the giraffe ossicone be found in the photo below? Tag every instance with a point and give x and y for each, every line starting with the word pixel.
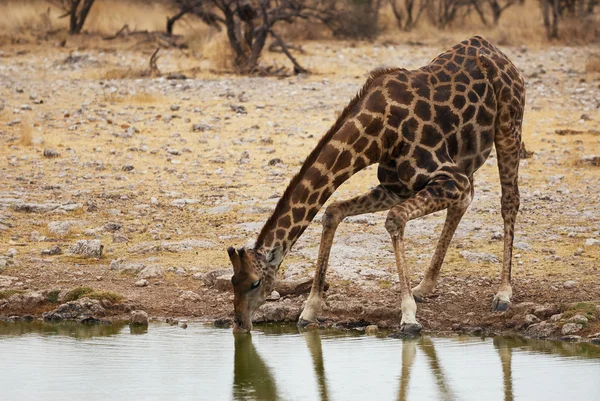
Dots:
pixel 429 130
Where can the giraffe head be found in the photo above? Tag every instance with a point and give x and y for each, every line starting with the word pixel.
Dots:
pixel 253 279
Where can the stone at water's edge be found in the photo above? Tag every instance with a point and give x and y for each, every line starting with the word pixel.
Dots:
pixel 371 330
pixel 139 318
pixel 75 310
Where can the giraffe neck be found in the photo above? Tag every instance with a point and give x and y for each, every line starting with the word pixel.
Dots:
pixel 353 142
pixel 331 163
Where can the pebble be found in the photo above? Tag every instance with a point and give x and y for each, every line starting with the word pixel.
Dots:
pixel 142 283
pixel 531 319
pixel 274 296
pixel 51 153
pixel 174 107
pixel 371 330
pixel 569 284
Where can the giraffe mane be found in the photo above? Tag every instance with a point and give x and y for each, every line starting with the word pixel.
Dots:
pixel 312 157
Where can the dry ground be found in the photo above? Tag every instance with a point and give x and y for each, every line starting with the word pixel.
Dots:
pixel 128 154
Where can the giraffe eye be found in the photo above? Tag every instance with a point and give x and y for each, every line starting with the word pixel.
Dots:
pixel 255 284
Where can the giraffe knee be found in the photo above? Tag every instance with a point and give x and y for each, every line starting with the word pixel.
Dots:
pixel 395 223
pixel 333 216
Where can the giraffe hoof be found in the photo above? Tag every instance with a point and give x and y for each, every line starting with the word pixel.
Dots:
pixel 418 297
pixel 410 329
pixel 303 323
pixel 499 304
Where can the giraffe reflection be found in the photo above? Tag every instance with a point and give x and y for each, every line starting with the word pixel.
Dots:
pixel 313 341
pixel 252 379
pixel 409 351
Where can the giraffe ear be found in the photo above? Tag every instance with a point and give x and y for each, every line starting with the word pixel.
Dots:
pixel 274 256
pixel 235 259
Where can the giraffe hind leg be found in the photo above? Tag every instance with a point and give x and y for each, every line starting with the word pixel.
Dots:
pixel 508 146
pixel 376 200
pixel 443 191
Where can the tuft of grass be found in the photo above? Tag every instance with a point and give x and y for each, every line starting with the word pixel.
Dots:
pixel 587 309
pixel 77 293
pixel 107 295
pixel 385 284
pixel 53 296
pixel 7 293
pixel 26 134
pixel 593 63
pixel 215 48
pixel 88 292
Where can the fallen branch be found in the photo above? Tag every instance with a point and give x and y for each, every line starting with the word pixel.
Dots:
pixel 298 69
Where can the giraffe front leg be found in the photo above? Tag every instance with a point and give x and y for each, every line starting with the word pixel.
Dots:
pixel 408 306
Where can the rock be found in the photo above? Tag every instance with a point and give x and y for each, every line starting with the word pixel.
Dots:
pixel 201 127
pixel 119 238
pixel 542 330
pixel 571 328
pixel 523 246
pixel 371 330
pixel 556 318
pixel 530 319
pixel 590 160
pixel 223 283
pixel 571 338
pixel 35 207
pixel 170 246
pixel 172 321
pixel 55 250
pixel 591 242
pixel 189 296
pixel 152 271
pixel 277 312
pixel 3 264
pixel 28 300
pixel 578 319
pixel 142 283
pixel 174 107
pixel 51 153
pixel 569 284
pixel 274 296
pixel 545 311
pixel 128 167
pixel 59 227
pixel 479 257
pixel 87 248
pixel 209 278
pixel 197 276
pixel 138 318
pixel 112 227
pixel 76 310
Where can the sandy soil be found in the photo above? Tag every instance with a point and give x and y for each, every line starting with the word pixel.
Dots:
pixel 186 168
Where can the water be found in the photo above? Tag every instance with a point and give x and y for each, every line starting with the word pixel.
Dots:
pixel 110 362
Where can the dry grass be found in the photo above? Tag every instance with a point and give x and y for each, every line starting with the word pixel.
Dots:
pixel 214 48
pixel 26 138
pixel 592 64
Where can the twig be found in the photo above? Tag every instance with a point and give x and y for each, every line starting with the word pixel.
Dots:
pixel 154 71
pixel 298 69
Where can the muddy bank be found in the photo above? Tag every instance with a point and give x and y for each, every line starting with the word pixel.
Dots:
pixel 349 309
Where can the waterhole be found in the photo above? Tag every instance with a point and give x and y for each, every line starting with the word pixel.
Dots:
pixel 115 362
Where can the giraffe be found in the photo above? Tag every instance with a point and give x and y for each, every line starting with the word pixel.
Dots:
pixel 429 130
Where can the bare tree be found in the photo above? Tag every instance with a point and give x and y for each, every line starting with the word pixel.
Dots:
pixel 199 8
pixel 554 11
pixel 250 22
pixel 76 10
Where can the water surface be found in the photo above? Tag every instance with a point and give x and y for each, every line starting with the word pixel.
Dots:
pixel 110 362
